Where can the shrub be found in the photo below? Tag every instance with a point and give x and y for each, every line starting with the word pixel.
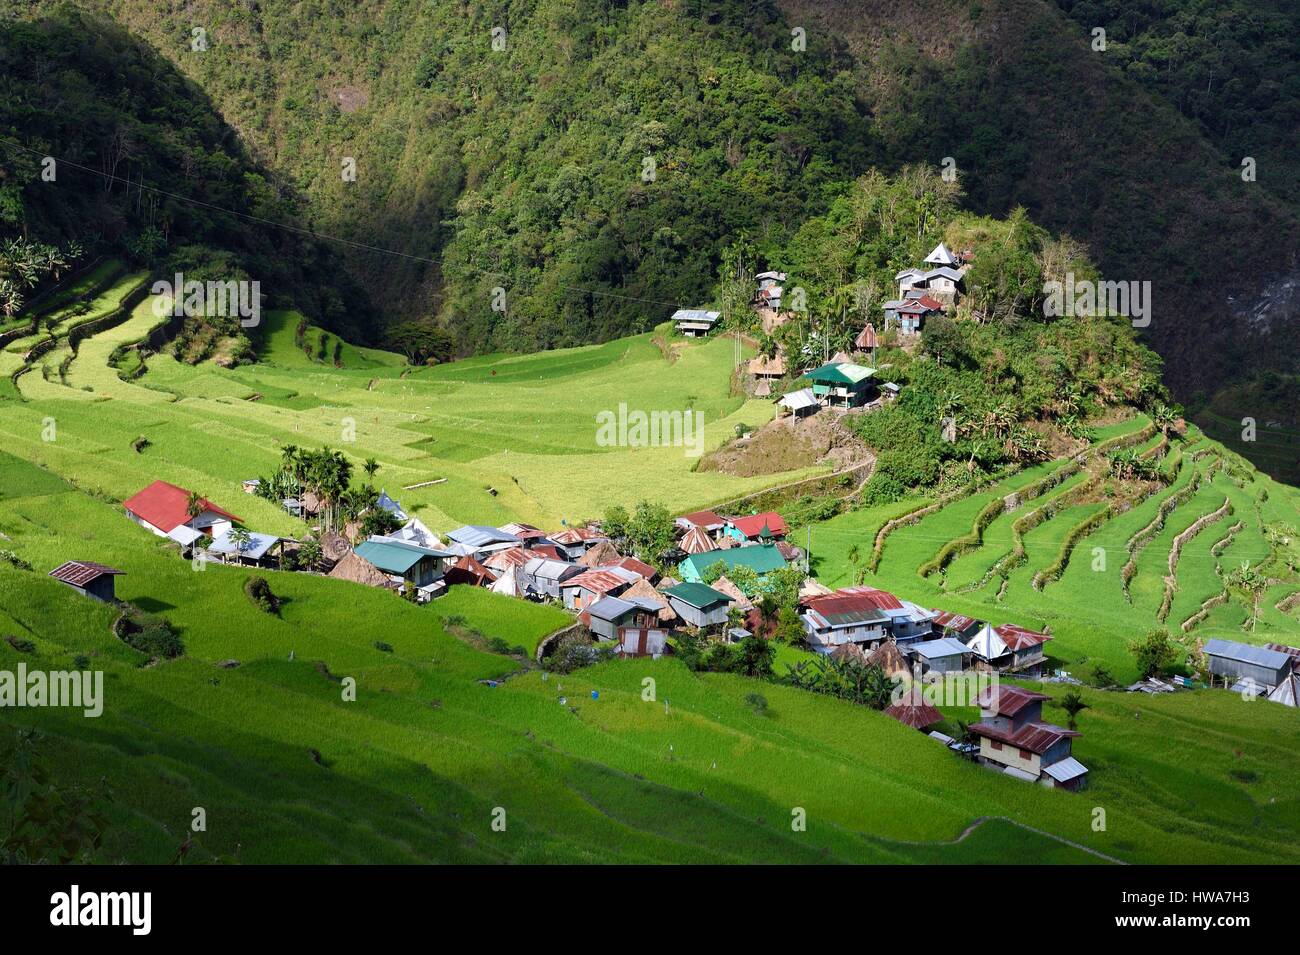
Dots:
pixel 149 634
pixel 21 645
pixel 757 702
pixel 10 557
pixel 383 647
pixel 259 592
pixel 502 646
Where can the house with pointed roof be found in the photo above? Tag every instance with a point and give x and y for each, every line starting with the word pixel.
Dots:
pixel 914 710
pixel 942 256
pixel 360 571
pixel 386 503
pixel 165 509
pixel 696 541
pixel 89 578
pixel 1287 692
pixel 1008 649
pixel 724 585
pixel 467 571
pixel 603 553
pixel 889 658
pixel 1015 739
pixel 645 592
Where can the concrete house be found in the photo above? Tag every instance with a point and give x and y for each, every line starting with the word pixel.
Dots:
pixel 707 521
pixel 908 279
pixel 88 578
pixel 698 605
pixel 942 282
pixel 164 509
pixel 1233 662
pixel 1014 738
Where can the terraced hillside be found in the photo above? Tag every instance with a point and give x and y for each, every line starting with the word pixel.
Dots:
pixel 251 725
pixel 1098 560
pixel 509 437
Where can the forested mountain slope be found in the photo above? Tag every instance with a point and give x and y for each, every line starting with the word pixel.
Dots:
pixel 593 159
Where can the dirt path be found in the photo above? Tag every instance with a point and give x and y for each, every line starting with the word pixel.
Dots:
pixel 1038 832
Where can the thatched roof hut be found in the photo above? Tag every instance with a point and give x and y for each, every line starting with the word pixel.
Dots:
pixel 311 503
pixel 913 710
pixel 849 653
pixel 644 589
pixel 667 583
pixel 602 553
pixel 697 541
pixel 889 658
pixel 724 585
pixel 361 571
pixel 334 547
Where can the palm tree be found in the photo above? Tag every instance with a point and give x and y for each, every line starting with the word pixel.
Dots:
pixel 370 467
pixel 195 504
pixel 855 556
pixel 1072 703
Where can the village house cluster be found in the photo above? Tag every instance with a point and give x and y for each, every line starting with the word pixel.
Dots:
pixel 843 381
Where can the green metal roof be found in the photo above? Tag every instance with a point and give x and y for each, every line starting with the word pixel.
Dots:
pixel 760 558
pixel 841 373
pixel 698 596
pixel 393 558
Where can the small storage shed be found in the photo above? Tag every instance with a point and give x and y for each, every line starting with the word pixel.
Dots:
pixel 88 578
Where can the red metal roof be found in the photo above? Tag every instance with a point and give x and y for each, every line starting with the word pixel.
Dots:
pixel 164 506
pixel 514 557
pixel 752 526
pixel 1008 700
pixel 866 338
pixel 952 621
pixel 597 581
pixel 636 566
pixel 577 535
pixel 1018 638
pixel 1035 737
pixel 547 550
pixel 705 519
pixel 880 599
pixel 78 573
pixel 913 710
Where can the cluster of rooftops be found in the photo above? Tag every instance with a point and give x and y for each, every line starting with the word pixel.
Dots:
pixel 843 382
pixel 622 599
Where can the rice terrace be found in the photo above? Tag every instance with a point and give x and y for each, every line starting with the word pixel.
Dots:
pixel 753 511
